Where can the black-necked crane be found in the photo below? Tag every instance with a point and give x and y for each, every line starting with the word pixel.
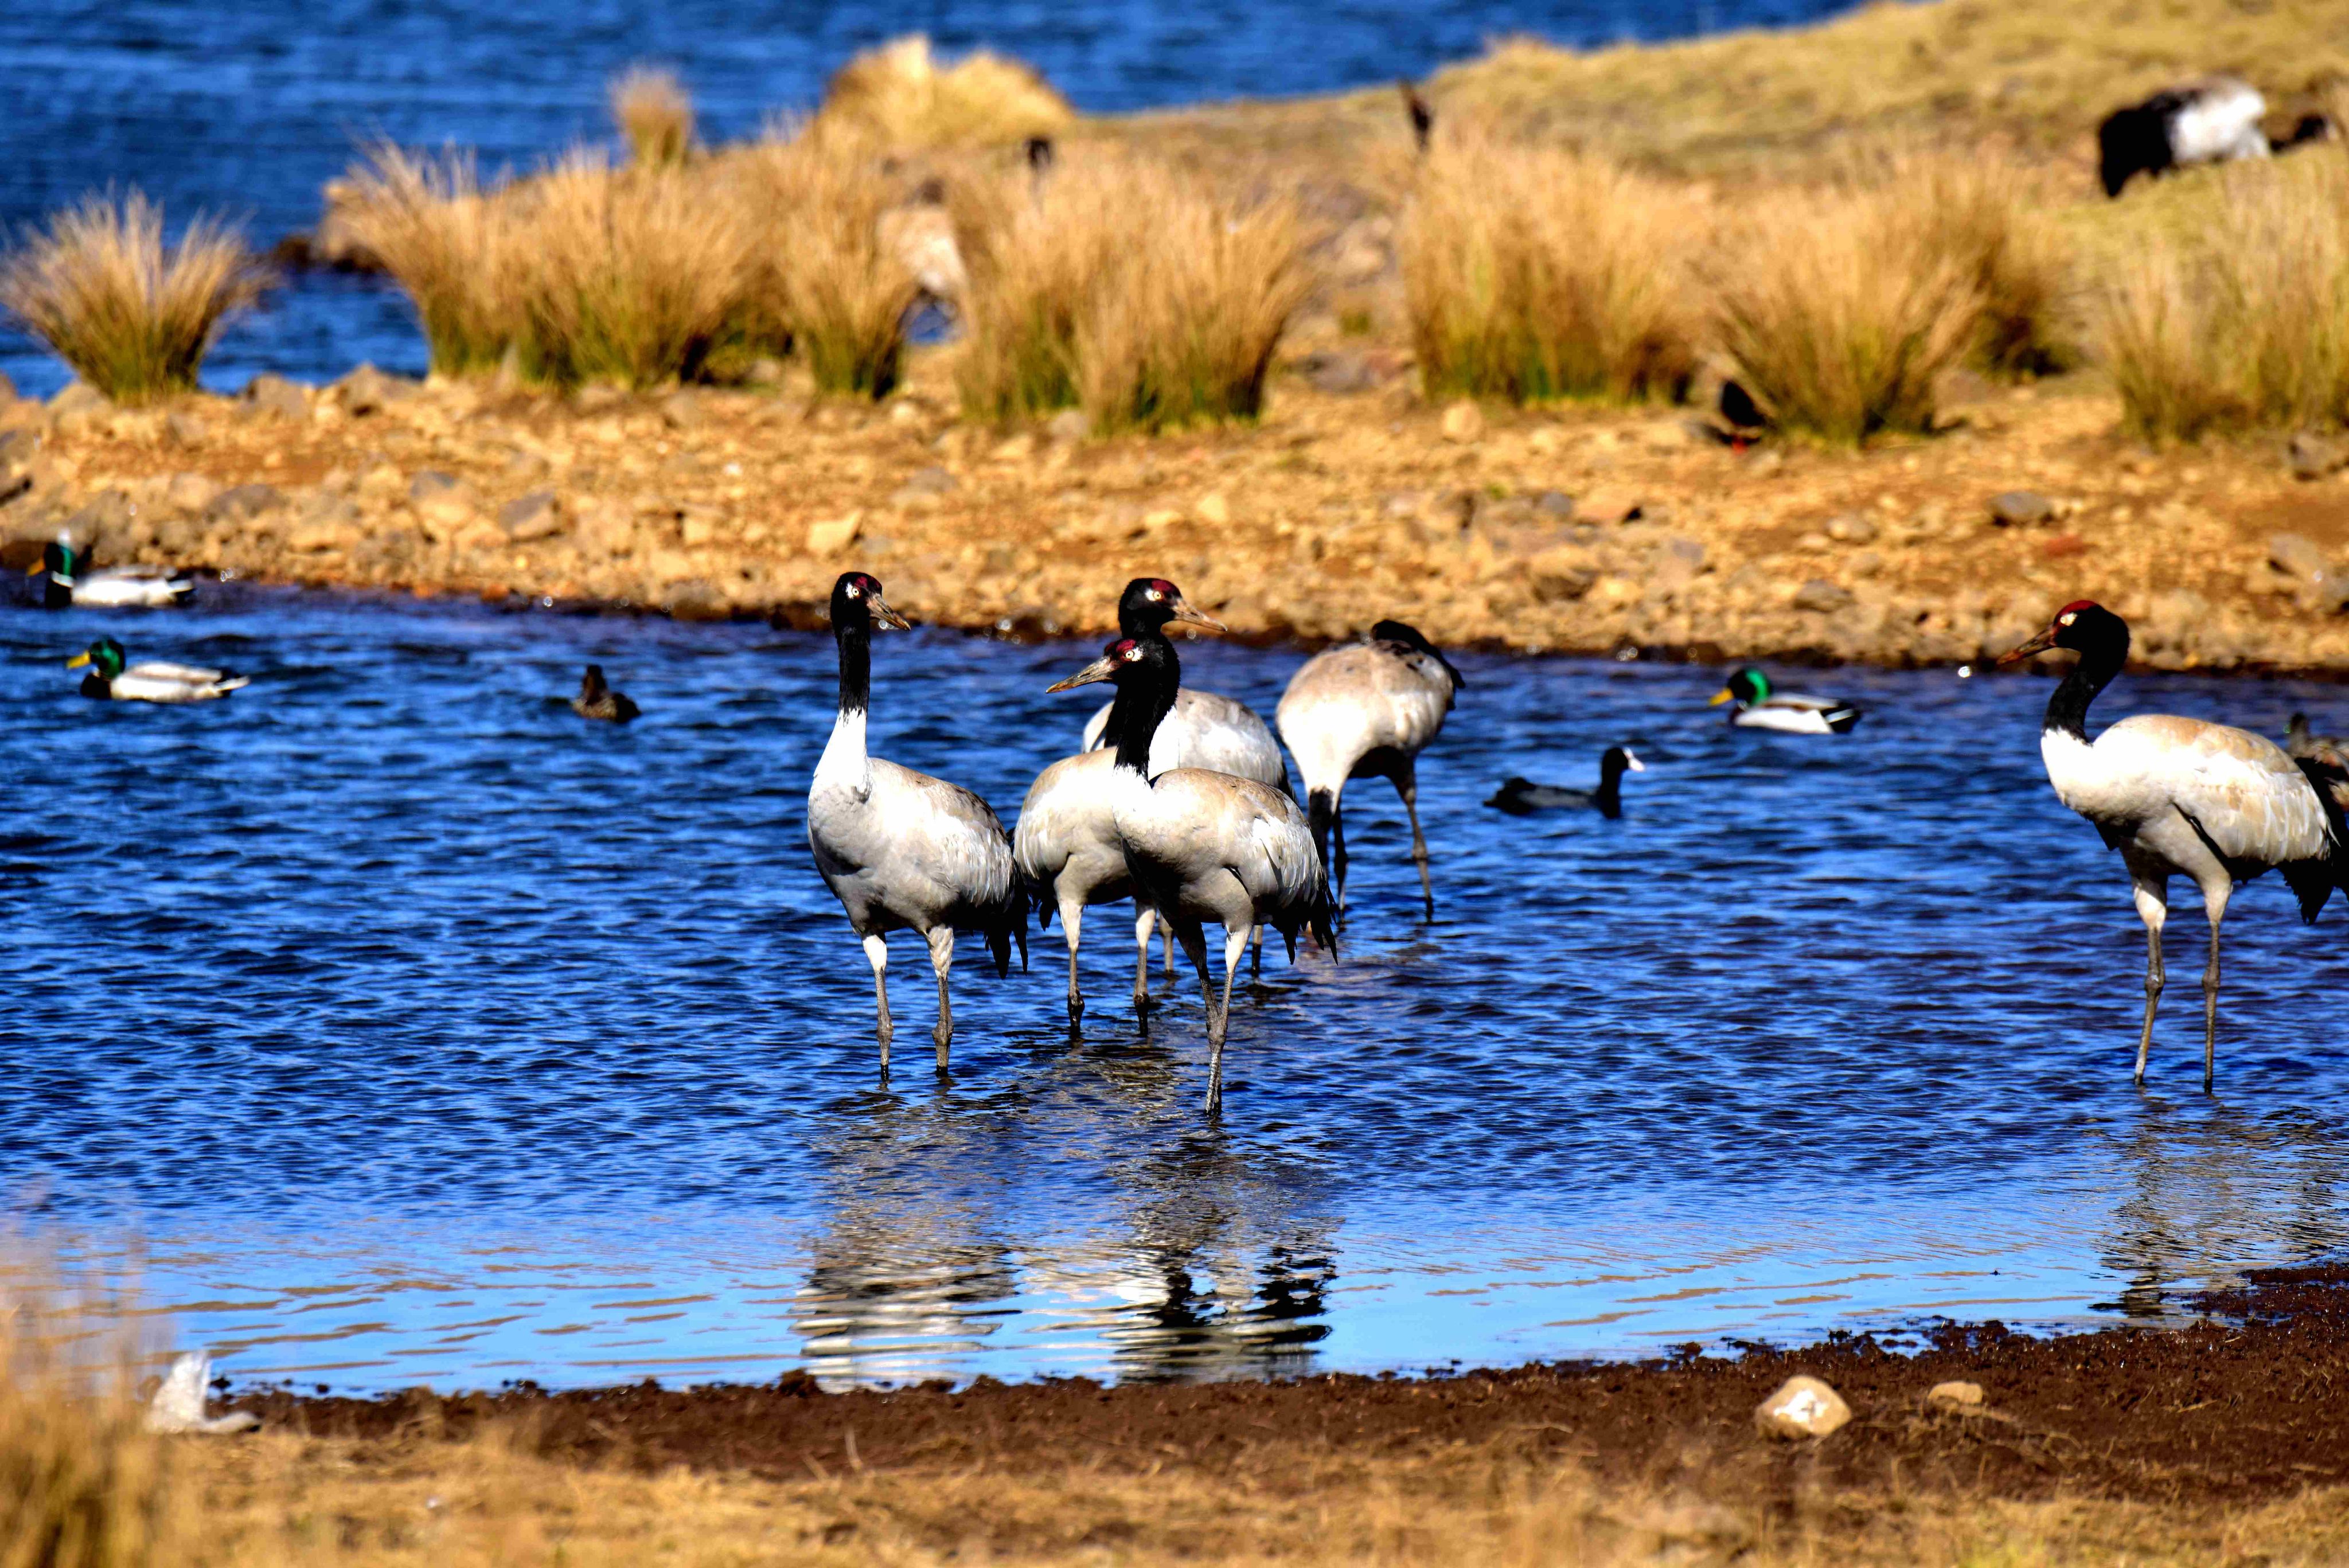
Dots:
pixel 1519 796
pixel 1205 729
pixel 2181 797
pixel 902 850
pixel 1066 844
pixel 1365 711
pixel 1205 846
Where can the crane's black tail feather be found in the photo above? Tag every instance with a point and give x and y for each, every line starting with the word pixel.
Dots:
pixel 2312 881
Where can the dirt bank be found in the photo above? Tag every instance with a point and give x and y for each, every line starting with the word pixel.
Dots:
pixel 2166 1442
pixel 1586 531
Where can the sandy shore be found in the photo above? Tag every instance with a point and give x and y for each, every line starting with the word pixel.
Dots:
pixel 1538 531
pixel 2225 1440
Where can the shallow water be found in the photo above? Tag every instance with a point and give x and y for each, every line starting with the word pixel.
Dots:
pixel 390 1024
pixel 248 109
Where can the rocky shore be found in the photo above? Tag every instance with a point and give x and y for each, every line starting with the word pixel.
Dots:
pixel 1586 531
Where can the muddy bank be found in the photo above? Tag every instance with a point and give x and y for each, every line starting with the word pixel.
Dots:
pixel 2243 1407
pixel 1572 530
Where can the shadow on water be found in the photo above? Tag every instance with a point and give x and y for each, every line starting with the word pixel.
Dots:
pixel 419 1031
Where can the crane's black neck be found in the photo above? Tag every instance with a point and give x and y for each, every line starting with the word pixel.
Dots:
pixel 854 637
pixel 2104 650
pixel 1145 695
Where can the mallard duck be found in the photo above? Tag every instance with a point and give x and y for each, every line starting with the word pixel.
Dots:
pixel 1519 796
pixel 154 681
pixel 598 701
pixel 72 582
pixel 1759 707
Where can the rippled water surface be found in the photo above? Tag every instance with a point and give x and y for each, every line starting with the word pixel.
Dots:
pixel 248 108
pixel 392 1024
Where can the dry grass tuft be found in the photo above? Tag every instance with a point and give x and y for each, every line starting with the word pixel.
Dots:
pixel 1536 272
pixel 83 1484
pixel 449 246
pixel 627 275
pixel 1128 289
pixel 132 317
pixel 1839 308
pixel 1972 209
pixel 825 279
pixel 899 95
pixel 2243 324
pixel 655 114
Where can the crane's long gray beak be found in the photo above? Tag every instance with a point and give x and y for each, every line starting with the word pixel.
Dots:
pixel 1102 669
pixel 884 616
pixel 1191 615
pixel 2040 644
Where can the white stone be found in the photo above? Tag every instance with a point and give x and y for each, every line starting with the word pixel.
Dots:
pixel 833 535
pixel 1802 1407
pixel 1963 1395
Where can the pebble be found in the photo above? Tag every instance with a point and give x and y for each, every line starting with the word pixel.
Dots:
pixel 1069 425
pixel 243 503
pixel 1802 1407
pixel 2020 508
pixel 833 535
pixel 367 390
pixel 1338 372
pixel 532 516
pixel 1463 422
pixel 2312 456
pixel 1851 528
pixel 1213 509
pixel 1822 597
pixel 276 395
pixel 681 411
pixel 1965 1395
pixel 184 428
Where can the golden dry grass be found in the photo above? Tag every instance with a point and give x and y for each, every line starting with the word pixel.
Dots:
pixel 1138 293
pixel 1995 221
pixel 1838 310
pixel 901 96
pixel 447 243
pixel 824 279
pixel 629 276
pixel 655 115
pixel 2241 323
pixel 131 315
pixel 1536 272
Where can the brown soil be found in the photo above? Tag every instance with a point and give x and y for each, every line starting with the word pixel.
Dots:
pixel 2239 1409
pixel 1338 509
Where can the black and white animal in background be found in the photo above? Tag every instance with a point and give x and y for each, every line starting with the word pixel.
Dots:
pixel 596 699
pixel 2214 120
pixel 1422 115
pixel 900 850
pixel 2182 797
pixel 1067 844
pixel 1205 846
pixel 1761 706
pixel 1520 796
pixel 1365 711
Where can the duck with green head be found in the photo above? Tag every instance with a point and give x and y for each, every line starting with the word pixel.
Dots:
pixel 70 580
pixel 1761 706
pixel 113 676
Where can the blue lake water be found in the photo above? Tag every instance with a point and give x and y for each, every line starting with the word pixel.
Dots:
pixel 247 109
pixel 386 1022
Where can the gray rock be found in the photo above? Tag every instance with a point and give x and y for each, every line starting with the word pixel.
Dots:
pixel 1341 372
pixel 367 390
pixel 276 395
pixel 1802 1407
pixel 1069 425
pixel 431 485
pixel 681 411
pixel 106 518
pixel 2021 508
pixel 1677 561
pixel 2297 557
pixel 183 428
pixel 1822 597
pixel 931 481
pixel 532 516
pixel 598 397
pixel 1556 504
pixel 243 503
pixel 2313 456
pixel 1851 528
pixel 77 398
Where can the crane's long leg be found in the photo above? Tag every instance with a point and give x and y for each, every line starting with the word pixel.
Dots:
pixel 1407 786
pixel 1144 918
pixel 2216 907
pixel 1235 940
pixel 1072 917
pixel 876 952
pixel 1195 947
pixel 2152 908
pixel 942 960
pixel 1337 847
pixel 1256 971
pixel 1170 955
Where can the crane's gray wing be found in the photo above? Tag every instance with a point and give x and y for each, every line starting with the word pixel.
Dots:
pixel 2240 790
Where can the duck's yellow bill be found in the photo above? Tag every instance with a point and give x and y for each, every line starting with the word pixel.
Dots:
pixel 76 661
pixel 1723 695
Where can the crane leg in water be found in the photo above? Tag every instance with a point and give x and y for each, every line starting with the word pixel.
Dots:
pixel 1256 970
pixel 876 952
pixel 1144 919
pixel 1337 847
pixel 1407 786
pixel 2152 908
pixel 2214 901
pixel 1072 915
pixel 942 960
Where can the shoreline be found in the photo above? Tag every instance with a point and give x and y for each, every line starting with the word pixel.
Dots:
pixel 1568 530
pixel 2174 1440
